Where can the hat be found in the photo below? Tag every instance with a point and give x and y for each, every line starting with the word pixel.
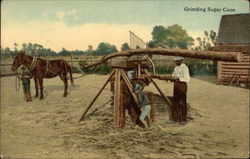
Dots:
pixel 178 58
pixel 137 87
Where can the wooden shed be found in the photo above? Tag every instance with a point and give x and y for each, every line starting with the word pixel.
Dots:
pixel 234 35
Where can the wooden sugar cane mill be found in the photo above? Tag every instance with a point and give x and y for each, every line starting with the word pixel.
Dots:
pixel 129 70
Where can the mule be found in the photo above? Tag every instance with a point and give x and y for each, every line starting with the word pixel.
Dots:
pixel 41 68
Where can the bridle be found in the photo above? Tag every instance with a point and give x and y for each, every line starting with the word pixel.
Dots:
pixel 33 64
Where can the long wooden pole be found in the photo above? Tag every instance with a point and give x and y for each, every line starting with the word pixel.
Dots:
pixel 209 55
pixel 92 102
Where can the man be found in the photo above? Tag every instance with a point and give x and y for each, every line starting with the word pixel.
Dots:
pixel 180 78
pixel 26 83
pixel 144 103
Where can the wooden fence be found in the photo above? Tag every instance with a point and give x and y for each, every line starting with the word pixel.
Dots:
pixel 5 66
pixel 5 70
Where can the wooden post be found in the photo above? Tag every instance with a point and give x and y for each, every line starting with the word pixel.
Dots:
pixel 119 113
pixel 138 71
pixel 72 62
pixel 92 102
pixel 219 63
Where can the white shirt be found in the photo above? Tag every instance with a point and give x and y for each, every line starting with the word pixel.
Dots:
pixel 182 72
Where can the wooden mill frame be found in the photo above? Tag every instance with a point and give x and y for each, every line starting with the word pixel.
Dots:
pixel 121 79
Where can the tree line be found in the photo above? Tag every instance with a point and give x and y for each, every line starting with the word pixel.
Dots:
pixel 173 36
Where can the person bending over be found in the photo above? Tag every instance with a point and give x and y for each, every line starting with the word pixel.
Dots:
pixel 143 102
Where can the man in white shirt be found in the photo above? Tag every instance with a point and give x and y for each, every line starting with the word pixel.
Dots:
pixel 180 78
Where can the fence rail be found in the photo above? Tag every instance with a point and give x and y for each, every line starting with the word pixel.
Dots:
pixel 5 68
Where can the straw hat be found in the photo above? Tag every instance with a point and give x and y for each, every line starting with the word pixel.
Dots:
pixel 178 58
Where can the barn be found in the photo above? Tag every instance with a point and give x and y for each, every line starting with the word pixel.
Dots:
pixel 234 35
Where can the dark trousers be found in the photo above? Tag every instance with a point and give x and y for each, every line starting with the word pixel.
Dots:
pixel 179 107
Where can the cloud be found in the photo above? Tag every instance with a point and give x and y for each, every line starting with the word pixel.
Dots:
pixel 62 14
pixel 57 35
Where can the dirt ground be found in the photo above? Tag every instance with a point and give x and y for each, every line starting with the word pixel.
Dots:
pixel 218 124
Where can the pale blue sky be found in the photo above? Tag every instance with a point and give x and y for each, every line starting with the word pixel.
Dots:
pixel 143 13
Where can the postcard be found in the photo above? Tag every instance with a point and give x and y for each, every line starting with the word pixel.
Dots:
pixel 125 79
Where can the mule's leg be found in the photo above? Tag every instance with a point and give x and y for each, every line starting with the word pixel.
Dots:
pixel 36 87
pixel 65 82
pixel 41 88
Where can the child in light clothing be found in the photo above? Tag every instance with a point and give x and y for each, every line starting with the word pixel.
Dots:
pixel 143 102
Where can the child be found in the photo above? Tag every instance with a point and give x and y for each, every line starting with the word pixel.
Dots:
pixel 144 103
pixel 26 83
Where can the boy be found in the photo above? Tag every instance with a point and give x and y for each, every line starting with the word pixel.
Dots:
pixel 144 103
pixel 25 77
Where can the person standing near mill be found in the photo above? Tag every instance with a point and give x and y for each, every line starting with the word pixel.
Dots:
pixel 25 77
pixel 180 78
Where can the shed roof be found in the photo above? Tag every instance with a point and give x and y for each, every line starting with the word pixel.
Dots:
pixel 234 29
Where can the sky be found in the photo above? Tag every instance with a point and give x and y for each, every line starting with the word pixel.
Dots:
pixel 76 24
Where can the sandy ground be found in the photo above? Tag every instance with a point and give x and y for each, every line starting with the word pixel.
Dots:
pixel 218 123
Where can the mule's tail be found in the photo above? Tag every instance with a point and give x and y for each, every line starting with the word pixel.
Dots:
pixel 68 70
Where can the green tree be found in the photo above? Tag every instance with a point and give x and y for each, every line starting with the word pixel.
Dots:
pixel 203 66
pixel 24 47
pixel 125 46
pixel 173 36
pixel 7 50
pixel 29 49
pixel 105 48
pixel 15 48
pixel 90 50
pixel 207 41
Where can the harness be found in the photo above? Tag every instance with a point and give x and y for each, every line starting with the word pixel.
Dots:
pixel 33 64
pixel 48 65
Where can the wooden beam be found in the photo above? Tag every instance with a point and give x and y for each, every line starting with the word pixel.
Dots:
pixel 94 99
pixel 208 55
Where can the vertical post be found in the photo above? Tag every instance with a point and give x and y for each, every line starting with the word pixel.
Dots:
pixel 138 71
pixel 119 116
pixel 72 62
pixel 219 63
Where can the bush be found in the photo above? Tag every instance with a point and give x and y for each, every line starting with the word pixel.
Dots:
pixel 195 67
pixel 201 66
pixel 160 69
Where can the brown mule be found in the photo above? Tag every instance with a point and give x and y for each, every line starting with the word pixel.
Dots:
pixel 41 68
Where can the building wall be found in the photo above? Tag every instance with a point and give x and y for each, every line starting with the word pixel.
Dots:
pixel 234 73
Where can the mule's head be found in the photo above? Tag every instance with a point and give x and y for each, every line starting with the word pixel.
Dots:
pixel 18 61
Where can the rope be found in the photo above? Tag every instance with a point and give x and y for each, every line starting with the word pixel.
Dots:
pixel 17 83
pixel 83 74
